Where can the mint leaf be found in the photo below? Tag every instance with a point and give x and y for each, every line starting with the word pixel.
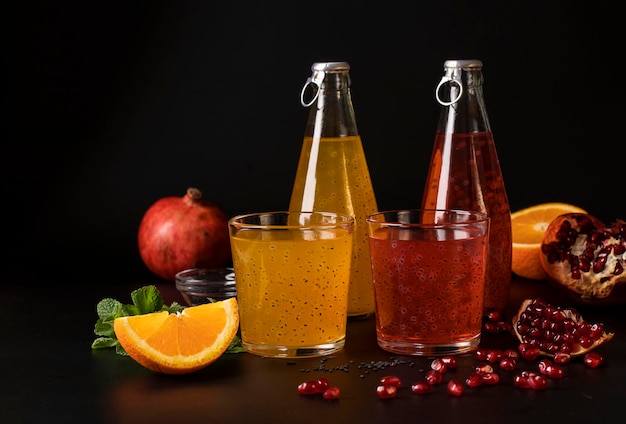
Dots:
pixel 174 307
pixel 120 350
pixel 235 345
pixel 108 307
pixel 102 342
pixel 104 328
pixel 128 311
pixel 147 300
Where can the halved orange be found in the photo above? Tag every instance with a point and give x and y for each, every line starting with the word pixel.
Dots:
pixel 528 227
pixel 182 342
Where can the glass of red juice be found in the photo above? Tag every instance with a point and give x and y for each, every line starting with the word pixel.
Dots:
pixel 429 269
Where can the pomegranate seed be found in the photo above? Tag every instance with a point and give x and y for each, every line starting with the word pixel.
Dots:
pixel 391 380
pixel 543 364
pixel 552 348
pixel 582 330
pixel 593 359
pixel 454 387
pixel 494 356
pixel 491 327
pixel 331 393
pixel 483 369
pixel 433 377
pixel 494 315
pixel 308 388
pixel 534 333
pixel 474 380
pixel 537 381
pixel 585 341
pixel 508 364
pixel 322 384
pixel 490 378
pixel 482 353
pixel 438 365
pixel 566 347
pixel 569 325
pixel 562 357
pixel 386 391
pixel 528 351
pixel 558 316
pixel 511 353
pixel 421 388
pixel 521 380
pixel 554 371
pixel 596 331
pixel 505 327
pixel 449 361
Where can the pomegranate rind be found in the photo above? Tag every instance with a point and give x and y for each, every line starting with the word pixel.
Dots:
pixel 606 336
pixel 592 287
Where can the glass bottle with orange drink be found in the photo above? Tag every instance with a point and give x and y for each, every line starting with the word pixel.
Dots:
pixel 465 170
pixel 332 173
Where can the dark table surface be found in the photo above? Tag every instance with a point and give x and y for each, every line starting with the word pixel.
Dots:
pixel 51 374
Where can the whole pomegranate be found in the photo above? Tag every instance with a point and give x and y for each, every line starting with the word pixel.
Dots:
pixel 588 258
pixel 178 233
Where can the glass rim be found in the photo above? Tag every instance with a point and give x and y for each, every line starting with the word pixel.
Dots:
pixel 343 220
pixel 196 275
pixel 475 217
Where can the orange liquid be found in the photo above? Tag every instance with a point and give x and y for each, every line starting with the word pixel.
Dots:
pixel 292 286
pixel 333 176
pixel 465 174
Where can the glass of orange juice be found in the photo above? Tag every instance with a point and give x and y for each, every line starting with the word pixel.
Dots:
pixel 292 274
pixel 429 271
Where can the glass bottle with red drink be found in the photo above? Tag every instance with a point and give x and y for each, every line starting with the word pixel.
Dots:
pixel 465 170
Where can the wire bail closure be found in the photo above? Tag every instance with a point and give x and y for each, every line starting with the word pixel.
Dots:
pixel 315 82
pixel 454 79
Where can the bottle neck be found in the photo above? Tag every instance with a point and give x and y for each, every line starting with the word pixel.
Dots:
pixel 332 114
pixel 464 111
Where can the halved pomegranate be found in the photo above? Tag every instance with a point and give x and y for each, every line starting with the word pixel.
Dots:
pixel 556 330
pixel 588 258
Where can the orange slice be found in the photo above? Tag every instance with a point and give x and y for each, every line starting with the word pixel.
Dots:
pixel 182 342
pixel 528 227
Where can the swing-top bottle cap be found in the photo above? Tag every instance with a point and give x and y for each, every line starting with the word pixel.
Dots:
pixel 330 66
pixel 467 64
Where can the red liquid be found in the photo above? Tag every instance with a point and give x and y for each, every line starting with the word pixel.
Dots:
pixel 428 292
pixel 465 174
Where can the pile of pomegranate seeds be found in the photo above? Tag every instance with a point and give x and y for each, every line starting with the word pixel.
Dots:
pixel 483 374
pixel 496 324
pixel 557 330
pixel 540 326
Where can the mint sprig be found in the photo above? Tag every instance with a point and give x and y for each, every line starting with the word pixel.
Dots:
pixel 146 300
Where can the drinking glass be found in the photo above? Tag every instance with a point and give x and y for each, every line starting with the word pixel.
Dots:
pixel 429 269
pixel 292 276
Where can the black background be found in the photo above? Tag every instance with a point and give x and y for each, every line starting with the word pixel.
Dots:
pixel 112 105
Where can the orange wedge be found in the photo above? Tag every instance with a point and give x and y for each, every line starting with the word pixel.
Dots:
pixel 528 228
pixel 182 342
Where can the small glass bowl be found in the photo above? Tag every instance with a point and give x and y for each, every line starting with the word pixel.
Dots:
pixel 197 285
